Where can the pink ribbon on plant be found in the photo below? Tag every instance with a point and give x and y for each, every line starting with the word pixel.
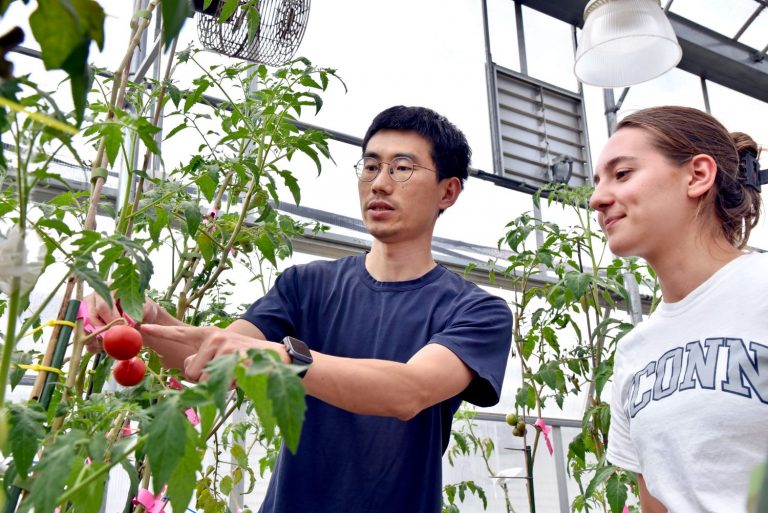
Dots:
pixel 545 429
pixel 152 503
pixel 625 510
pixel 192 416
pixel 82 313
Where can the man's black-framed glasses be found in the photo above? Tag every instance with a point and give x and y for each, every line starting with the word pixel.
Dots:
pixel 400 168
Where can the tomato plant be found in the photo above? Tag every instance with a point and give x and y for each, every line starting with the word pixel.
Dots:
pixel 129 372
pixel 207 212
pixel 122 342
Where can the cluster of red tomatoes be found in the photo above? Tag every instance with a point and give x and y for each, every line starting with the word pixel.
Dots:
pixel 123 343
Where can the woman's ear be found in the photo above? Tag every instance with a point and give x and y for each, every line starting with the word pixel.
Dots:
pixel 703 172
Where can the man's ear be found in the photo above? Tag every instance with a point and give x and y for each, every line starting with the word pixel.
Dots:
pixel 451 188
pixel 702 175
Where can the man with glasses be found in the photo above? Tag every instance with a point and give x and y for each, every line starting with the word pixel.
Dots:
pixel 392 342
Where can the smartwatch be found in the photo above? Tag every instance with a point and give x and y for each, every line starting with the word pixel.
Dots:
pixel 298 352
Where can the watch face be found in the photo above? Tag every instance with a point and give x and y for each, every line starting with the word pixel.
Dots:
pixel 298 349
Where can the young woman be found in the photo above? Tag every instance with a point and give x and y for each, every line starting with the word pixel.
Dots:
pixel 690 398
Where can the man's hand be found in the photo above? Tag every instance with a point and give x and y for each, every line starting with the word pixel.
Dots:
pixel 101 314
pixel 204 343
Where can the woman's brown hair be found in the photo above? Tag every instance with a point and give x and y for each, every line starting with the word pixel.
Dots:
pixel 680 133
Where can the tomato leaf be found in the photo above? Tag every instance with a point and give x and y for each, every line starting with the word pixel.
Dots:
pixel 292 184
pixel 601 476
pixel 52 472
pixel 207 183
pixel 253 381
pixel 219 379
pixel 603 373
pixel 193 216
pixel 616 493
pixel 175 14
pixel 92 277
pixel 157 224
pixel 286 392
pixel 113 138
pixel 26 430
pixel 182 481
pixel 88 498
pixel 253 17
pixel 207 414
pixel 228 9
pixel 128 289
pixel 165 447
pixel 65 31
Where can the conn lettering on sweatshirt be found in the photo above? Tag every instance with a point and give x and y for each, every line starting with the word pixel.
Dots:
pixel 695 365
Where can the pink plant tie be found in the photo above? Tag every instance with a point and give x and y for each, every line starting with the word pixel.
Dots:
pixel 152 503
pixel 625 510
pixel 82 313
pixel 545 429
pixel 192 416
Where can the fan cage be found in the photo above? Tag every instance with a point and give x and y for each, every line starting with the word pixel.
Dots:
pixel 281 29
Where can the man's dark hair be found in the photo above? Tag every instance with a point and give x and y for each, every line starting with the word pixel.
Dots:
pixel 450 150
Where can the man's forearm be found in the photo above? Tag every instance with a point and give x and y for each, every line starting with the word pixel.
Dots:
pixel 387 388
pixel 365 386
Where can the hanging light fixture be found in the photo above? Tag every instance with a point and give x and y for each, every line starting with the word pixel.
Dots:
pixel 625 42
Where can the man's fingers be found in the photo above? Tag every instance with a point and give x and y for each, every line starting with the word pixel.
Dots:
pixel 101 314
pixel 189 336
pixel 167 332
pixel 187 369
pixel 195 364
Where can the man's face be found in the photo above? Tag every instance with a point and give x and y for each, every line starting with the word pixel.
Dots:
pixel 404 211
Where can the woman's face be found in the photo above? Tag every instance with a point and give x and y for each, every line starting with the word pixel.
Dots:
pixel 641 197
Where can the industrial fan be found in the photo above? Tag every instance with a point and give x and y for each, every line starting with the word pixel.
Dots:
pixel 281 25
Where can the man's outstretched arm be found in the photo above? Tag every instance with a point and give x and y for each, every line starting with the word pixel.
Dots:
pixel 363 386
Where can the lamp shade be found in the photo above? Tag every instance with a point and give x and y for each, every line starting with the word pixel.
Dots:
pixel 625 42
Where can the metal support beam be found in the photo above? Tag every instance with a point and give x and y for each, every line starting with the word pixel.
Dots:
pixel 705 95
pixel 562 477
pixel 521 39
pixel 721 60
pixel 149 60
pixel 748 22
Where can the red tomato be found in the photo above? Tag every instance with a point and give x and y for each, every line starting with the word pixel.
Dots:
pixel 129 372
pixel 122 342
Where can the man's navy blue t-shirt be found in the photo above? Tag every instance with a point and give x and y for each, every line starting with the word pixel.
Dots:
pixel 359 463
